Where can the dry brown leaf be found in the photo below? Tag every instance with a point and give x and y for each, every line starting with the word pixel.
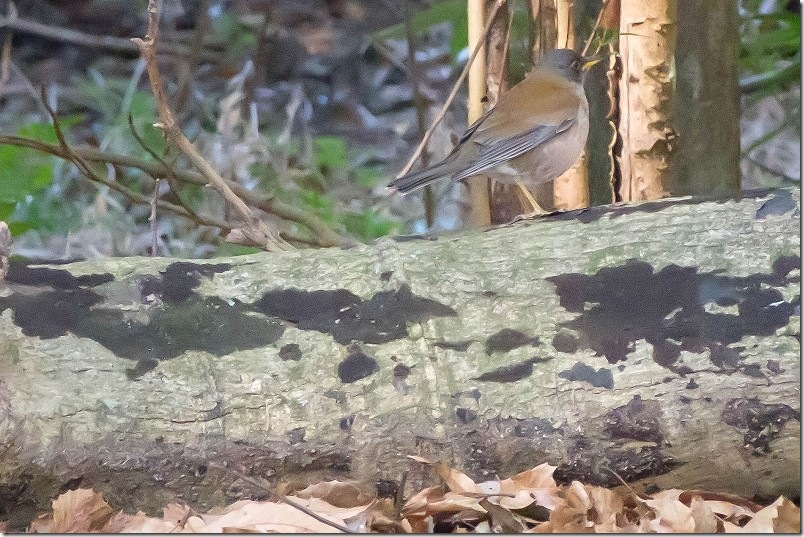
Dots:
pixel 605 506
pixel 419 501
pixel 75 511
pixel 263 517
pixel 671 514
pixel 503 520
pixel 455 480
pixel 571 517
pixel 705 519
pixel 139 523
pixel 534 485
pixel 780 514
pixel 337 493
pixel 728 510
pixel 789 519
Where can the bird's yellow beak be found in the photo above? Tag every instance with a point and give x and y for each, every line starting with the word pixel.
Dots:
pixel 589 63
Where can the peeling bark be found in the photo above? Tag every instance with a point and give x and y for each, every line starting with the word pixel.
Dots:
pixel 647 94
pixel 644 340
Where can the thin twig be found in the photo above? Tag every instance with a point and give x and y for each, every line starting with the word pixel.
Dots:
pixel 84 167
pixel 254 229
pixel 399 497
pixel 595 26
pixel 454 92
pixel 152 217
pixel 418 103
pixel 171 175
pixel 75 37
pixel 285 499
pixel 324 235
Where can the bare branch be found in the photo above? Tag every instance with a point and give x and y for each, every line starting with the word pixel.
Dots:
pixel 324 236
pixel 454 92
pixel 254 229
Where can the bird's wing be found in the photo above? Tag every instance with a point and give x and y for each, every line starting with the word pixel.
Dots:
pixel 498 152
pixel 527 115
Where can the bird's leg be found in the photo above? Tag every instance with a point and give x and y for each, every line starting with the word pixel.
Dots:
pixel 536 210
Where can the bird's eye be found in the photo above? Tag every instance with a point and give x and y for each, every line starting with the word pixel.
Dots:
pixel 576 65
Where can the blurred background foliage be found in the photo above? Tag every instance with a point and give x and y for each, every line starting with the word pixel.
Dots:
pixel 308 101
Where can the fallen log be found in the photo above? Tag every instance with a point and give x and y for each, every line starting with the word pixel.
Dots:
pixel 656 343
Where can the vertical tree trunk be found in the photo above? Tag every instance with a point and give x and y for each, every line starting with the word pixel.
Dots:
pixel 497 58
pixel 544 29
pixel 647 98
pixel 571 189
pixel 707 63
pixel 478 188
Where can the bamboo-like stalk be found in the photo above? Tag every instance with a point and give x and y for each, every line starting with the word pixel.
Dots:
pixel 478 189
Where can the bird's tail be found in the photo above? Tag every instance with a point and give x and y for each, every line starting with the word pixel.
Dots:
pixel 414 181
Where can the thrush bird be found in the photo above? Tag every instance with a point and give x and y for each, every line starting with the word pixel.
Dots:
pixel 535 132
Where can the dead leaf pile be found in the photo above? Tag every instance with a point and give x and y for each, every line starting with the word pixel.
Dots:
pixel 529 502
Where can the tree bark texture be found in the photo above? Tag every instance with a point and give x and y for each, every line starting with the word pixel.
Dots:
pixel 647 98
pixel 657 341
pixel 708 66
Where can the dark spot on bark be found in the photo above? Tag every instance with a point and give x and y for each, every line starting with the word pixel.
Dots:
pixel 474 393
pixel 401 371
pixel 184 321
pixel 507 339
pixel 357 365
pixel 692 385
pixel 52 313
pixel 347 422
pixel 465 415
pixel 386 276
pixel 386 488
pixel 724 357
pixel 176 283
pixel 534 428
pixel 510 373
pixel 296 436
pixel 753 370
pixel 774 367
pixel 291 351
pixel 22 273
pixel 215 413
pixel 782 202
pixel 667 309
pixel 565 341
pixel 761 423
pixel 347 317
pixel 601 378
pixel 783 266
pixel 461 346
pixel 411 238
pixel 684 399
pixel 638 420
pixel 490 294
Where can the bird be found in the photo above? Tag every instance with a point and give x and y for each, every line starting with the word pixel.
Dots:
pixel 535 132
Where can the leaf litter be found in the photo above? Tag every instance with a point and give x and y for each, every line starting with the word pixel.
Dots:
pixel 529 502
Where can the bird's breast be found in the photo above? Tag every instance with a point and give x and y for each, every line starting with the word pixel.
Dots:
pixel 550 159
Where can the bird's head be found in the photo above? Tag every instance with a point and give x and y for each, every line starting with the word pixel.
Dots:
pixel 568 63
